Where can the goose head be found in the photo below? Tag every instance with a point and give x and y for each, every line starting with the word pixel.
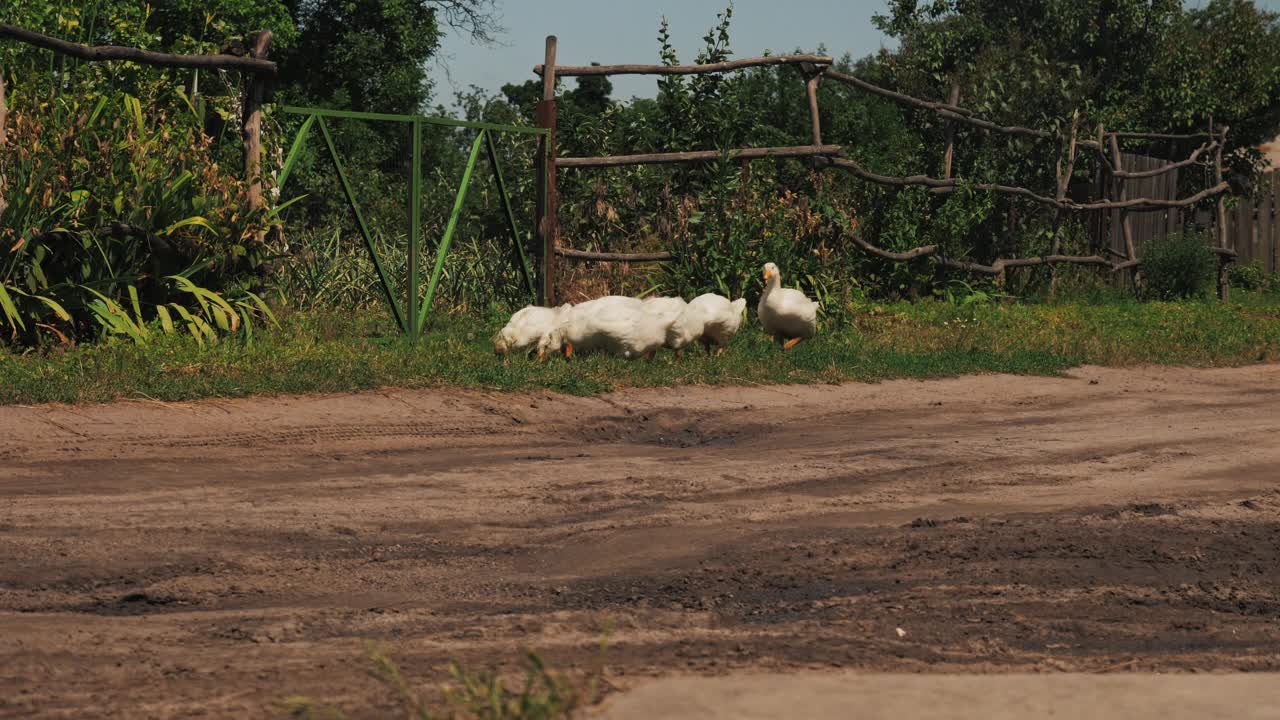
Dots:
pixel 771 275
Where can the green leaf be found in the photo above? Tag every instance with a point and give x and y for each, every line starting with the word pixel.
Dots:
pixel 137 310
pixel 176 185
pixel 166 321
pixel 134 107
pixel 10 310
pixel 196 220
pixel 97 110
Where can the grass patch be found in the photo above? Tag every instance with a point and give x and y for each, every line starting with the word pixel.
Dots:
pixel 330 352
pixel 542 694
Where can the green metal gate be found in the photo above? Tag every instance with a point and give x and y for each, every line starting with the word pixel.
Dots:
pixel 412 323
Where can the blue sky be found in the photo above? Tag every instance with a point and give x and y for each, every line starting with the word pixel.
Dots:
pixel 618 31
pixel 625 31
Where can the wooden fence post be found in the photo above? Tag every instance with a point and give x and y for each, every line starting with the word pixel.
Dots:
pixel 948 153
pixel 1220 213
pixel 1126 229
pixel 813 76
pixel 1064 183
pixel 4 139
pixel 547 224
pixel 252 119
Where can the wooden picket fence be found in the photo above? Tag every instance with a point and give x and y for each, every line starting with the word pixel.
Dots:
pixel 1253 228
pixel 1253 225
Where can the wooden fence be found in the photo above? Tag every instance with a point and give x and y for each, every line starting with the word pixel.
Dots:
pixel 1253 225
pixel 1120 192
pixel 1146 225
pixel 1253 228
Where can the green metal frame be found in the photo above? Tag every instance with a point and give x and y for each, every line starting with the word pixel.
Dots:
pixel 413 323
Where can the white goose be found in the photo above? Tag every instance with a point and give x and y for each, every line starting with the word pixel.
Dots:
pixel 710 319
pixel 667 309
pixel 784 312
pixel 614 324
pixel 526 327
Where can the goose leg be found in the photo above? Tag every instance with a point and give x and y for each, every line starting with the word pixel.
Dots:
pixel 791 343
pixel 679 354
pixel 719 349
pixel 651 355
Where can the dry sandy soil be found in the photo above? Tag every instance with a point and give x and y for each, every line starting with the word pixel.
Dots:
pixel 210 558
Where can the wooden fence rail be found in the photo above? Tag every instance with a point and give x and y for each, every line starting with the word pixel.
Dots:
pixel 1142 194
pixel 256 67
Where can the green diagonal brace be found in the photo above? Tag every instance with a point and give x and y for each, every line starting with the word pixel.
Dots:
pixel 364 229
pixel 511 217
pixel 295 150
pixel 453 225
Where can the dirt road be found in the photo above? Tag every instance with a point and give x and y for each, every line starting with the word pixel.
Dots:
pixel 208 559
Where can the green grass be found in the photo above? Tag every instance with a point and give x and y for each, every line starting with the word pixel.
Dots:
pixel 542 694
pixel 333 352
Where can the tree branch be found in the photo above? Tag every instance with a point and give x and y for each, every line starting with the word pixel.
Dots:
pixel 583 70
pixel 948 111
pixel 477 18
pixel 953 184
pixel 144 57
pixel 614 257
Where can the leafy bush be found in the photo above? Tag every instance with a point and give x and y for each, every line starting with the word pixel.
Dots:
pixel 1178 267
pixel 1247 276
pixel 114 203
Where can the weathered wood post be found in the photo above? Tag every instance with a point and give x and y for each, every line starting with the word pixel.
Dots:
pixel 813 77
pixel 1064 184
pixel 1126 228
pixel 1220 218
pixel 547 225
pixel 4 139
pixel 260 45
pixel 953 100
pixel 948 153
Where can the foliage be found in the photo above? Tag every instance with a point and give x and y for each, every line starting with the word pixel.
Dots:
pixel 1178 267
pixel 1247 276
pixel 119 205
pixel 1133 64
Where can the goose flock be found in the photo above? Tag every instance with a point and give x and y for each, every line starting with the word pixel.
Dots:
pixel 631 327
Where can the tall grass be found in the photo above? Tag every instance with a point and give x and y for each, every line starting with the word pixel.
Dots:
pixel 335 352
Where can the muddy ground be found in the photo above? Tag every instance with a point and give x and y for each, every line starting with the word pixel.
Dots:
pixel 211 558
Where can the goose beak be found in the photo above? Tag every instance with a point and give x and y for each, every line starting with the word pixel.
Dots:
pixel 568 350
pixel 542 355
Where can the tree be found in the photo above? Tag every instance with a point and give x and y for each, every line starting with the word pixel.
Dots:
pixel 1133 64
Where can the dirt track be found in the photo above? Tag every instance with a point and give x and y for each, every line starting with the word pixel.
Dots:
pixel 165 560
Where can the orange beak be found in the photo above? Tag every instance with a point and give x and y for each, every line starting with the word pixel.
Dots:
pixel 568 350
